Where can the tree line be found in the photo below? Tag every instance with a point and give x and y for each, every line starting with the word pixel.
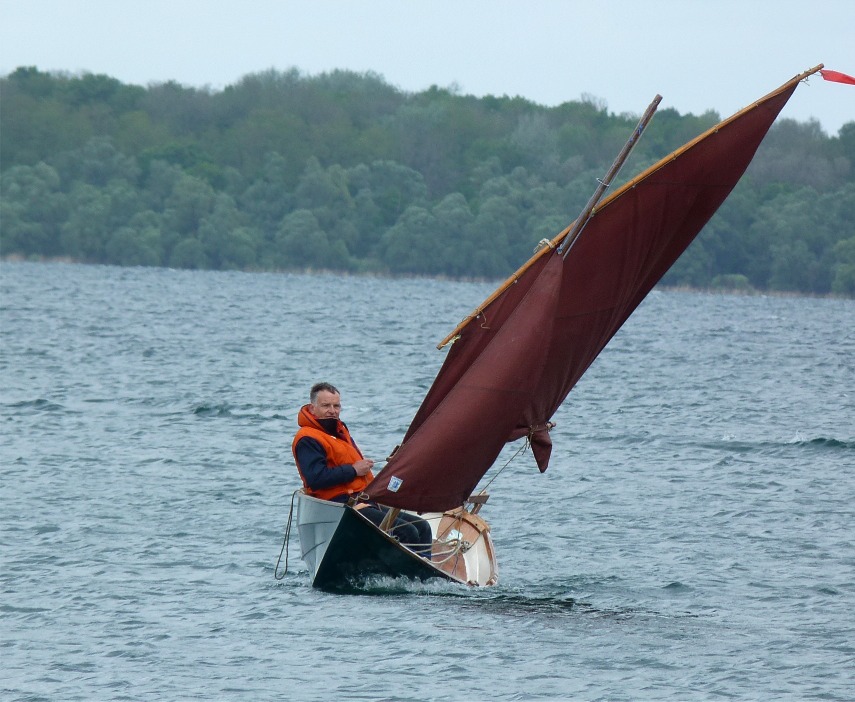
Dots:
pixel 342 171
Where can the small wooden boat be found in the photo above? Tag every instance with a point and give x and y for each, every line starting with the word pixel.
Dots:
pixel 513 361
pixel 341 547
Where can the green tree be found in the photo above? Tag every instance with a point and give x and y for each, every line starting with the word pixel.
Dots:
pixel 408 245
pixel 301 243
pixel 794 265
pixel 490 237
pixel 692 269
pixel 843 282
pixel 115 171
pixel 228 243
pixel 846 138
pixel 188 253
pixel 324 193
pixel 130 247
pixel 190 201
pixel 392 187
pixel 88 226
pixel 36 123
pixel 97 163
pixel 270 197
pixel 798 243
pixel 534 138
pixel 794 152
pixel 452 220
pixel 33 211
pixel 368 219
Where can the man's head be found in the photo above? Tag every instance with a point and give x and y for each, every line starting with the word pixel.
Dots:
pixel 325 400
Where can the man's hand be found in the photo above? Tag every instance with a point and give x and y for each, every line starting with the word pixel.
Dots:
pixel 363 466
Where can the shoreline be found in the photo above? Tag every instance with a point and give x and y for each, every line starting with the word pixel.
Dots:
pixel 723 290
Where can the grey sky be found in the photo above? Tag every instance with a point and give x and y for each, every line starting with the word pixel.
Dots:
pixel 699 54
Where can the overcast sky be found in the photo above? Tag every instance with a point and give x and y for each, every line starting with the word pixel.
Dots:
pixel 699 54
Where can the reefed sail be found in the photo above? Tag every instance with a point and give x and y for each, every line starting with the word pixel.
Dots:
pixel 518 356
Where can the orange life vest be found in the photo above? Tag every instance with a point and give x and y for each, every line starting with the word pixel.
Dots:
pixel 339 451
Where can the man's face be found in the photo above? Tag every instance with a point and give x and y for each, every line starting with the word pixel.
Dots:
pixel 327 405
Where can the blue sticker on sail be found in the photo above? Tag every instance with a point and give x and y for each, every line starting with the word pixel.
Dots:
pixel 395 483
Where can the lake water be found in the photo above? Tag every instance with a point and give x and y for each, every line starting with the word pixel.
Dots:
pixel 693 539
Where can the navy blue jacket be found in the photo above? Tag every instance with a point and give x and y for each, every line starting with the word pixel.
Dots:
pixel 312 464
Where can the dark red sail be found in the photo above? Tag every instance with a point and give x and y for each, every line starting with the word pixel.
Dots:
pixel 516 361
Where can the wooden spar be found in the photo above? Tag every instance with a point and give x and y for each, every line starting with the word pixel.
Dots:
pixel 556 241
pixel 577 226
pixel 688 145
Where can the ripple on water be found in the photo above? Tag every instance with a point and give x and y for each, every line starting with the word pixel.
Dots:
pixel 690 540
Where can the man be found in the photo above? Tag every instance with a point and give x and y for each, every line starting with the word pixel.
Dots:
pixel 333 468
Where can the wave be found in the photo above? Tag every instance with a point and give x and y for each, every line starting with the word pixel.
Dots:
pixel 822 442
pixel 242 412
pixel 741 446
pixel 222 410
pixel 33 406
pixel 535 604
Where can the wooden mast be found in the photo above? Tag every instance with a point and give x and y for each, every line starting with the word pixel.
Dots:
pixel 577 226
pixel 568 236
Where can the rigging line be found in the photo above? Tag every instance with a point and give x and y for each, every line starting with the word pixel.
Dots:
pixel 284 548
pixel 462 541
pixel 522 448
pixel 453 550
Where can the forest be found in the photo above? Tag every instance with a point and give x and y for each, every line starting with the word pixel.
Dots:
pixel 343 172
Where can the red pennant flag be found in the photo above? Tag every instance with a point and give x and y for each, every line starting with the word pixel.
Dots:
pixel 837 77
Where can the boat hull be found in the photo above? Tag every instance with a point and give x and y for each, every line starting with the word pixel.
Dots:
pixel 342 548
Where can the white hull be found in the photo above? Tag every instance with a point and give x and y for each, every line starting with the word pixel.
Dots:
pixel 339 545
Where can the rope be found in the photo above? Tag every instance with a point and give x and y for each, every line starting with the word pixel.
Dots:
pixel 452 548
pixel 284 548
pixel 548 426
pixel 522 448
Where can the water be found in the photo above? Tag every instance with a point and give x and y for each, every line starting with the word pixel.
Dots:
pixel 692 539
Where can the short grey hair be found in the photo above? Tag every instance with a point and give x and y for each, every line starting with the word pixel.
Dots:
pixel 319 387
